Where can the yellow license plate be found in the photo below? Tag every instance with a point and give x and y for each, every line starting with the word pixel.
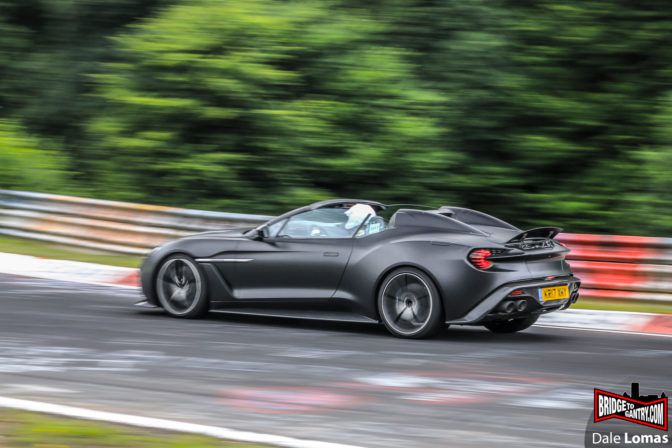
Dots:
pixel 554 293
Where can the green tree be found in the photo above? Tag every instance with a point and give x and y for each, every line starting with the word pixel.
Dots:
pixel 544 112
pixel 48 49
pixel 226 103
pixel 25 166
pixel 551 102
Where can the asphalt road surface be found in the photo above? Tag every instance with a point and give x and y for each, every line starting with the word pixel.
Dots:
pixel 88 346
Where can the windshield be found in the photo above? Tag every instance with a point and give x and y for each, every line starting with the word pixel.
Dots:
pixel 339 221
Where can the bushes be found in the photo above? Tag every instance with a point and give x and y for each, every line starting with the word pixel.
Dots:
pixel 548 112
pixel 25 166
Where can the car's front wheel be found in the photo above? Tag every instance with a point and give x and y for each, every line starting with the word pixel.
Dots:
pixel 181 287
pixel 409 304
pixel 511 326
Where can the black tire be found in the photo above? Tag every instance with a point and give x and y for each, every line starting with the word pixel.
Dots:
pixel 511 326
pixel 181 287
pixel 409 304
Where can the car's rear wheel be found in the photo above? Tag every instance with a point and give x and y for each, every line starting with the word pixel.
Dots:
pixel 181 287
pixel 511 326
pixel 409 304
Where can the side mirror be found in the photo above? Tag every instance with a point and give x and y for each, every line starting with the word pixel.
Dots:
pixel 262 233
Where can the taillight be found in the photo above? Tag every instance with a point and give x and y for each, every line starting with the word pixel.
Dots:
pixel 479 258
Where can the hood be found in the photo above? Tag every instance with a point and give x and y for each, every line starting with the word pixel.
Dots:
pixel 224 233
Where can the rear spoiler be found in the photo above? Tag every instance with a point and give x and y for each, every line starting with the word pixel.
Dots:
pixel 546 233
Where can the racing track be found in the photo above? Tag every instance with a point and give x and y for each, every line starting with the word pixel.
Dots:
pixel 87 346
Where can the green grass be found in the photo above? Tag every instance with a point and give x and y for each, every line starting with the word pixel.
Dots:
pixel 55 251
pixel 621 305
pixel 20 429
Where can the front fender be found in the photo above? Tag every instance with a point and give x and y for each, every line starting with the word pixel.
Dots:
pixel 195 247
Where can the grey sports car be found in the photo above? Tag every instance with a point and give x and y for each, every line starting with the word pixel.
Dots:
pixel 415 272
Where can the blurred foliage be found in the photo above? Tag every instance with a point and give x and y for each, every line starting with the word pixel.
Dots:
pixel 540 112
pixel 24 165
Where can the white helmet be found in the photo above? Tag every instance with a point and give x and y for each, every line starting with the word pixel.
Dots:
pixel 357 214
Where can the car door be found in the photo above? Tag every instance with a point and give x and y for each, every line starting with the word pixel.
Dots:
pixel 302 259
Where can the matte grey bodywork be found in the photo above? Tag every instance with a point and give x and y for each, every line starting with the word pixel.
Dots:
pixel 324 275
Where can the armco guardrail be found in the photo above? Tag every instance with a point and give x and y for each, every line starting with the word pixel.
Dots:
pixel 621 267
pixel 611 266
pixel 107 225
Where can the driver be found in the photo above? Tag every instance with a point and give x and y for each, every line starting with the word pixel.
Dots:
pixel 354 216
pixel 357 214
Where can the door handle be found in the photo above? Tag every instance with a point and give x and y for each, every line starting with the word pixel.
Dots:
pixel 330 254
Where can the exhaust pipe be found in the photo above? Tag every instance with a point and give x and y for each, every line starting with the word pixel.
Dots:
pixel 507 307
pixel 521 305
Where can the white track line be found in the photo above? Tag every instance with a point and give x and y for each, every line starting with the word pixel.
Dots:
pixel 602 330
pixel 166 425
